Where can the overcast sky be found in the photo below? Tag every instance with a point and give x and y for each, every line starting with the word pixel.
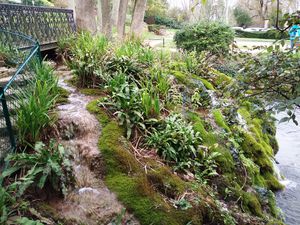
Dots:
pixel 180 3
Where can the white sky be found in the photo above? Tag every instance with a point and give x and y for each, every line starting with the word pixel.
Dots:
pixel 180 3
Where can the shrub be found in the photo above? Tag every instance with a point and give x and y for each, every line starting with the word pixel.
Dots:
pixel 175 140
pixel 133 48
pixel 168 22
pixel 242 17
pixel 125 100
pixel 35 103
pixel 86 58
pixel 270 34
pixel 205 36
pixel 44 164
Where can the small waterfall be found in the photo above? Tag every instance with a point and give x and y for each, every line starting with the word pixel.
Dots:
pixel 285 182
pixel 242 121
pixel 213 97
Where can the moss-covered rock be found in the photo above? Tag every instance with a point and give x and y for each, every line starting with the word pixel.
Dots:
pixel 251 203
pixel 163 180
pixel 219 79
pixel 140 192
pixel 220 120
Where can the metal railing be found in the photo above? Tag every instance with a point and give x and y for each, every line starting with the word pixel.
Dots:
pixel 18 55
pixel 46 24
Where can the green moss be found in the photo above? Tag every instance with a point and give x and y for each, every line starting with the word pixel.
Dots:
pixel 274 144
pixel 225 160
pixel 220 121
pixel 245 114
pixel 272 182
pixel 116 152
pixel 135 189
pixel 220 79
pixel 275 211
pixel 259 146
pixel 209 138
pixel 142 193
pixel 63 96
pixel 182 78
pixel 251 204
pixel 275 222
pixel 207 84
pixel 136 199
pixel 256 152
pixel 73 81
pixel 91 91
pixel 256 127
pixel 166 182
pixel 102 117
pixel 259 180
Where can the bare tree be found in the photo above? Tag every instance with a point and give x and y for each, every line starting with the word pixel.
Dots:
pixel 138 16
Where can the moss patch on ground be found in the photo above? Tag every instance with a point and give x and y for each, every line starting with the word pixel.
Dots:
pixel 100 114
pixel 62 96
pixel 91 91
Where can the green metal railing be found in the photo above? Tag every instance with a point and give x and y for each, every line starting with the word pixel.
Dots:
pixel 46 24
pixel 18 55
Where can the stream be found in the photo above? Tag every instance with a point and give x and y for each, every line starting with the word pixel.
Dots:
pixel 288 136
pixel 90 201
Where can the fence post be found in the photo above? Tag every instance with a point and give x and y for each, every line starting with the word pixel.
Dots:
pixel 7 120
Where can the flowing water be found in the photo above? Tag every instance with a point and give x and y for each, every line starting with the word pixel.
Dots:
pixel 90 201
pixel 288 136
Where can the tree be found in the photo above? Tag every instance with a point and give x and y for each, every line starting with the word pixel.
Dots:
pixel 122 18
pixel 242 17
pixel 138 16
pixel 273 76
pixel 86 15
pixel 213 10
pixel 115 12
pixel 259 10
pixel 106 18
pixel 156 8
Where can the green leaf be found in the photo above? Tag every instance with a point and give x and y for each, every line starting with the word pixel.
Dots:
pixel 284 119
pixel 9 171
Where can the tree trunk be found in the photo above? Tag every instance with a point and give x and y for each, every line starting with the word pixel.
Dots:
pixel 106 18
pixel 122 18
pixel 86 14
pixel 99 17
pixel 115 12
pixel 138 17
